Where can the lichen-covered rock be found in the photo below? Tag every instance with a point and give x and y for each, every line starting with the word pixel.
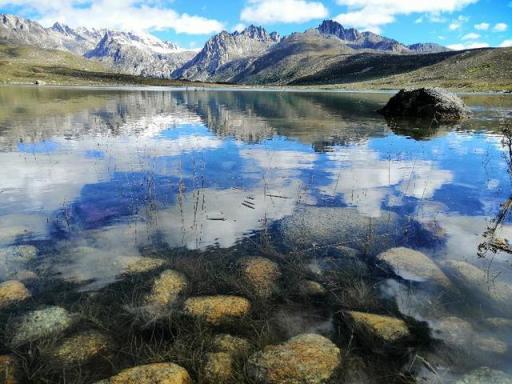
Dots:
pixel 81 348
pixel 304 359
pixel 413 265
pixel 14 258
pixel 38 324
pixel 486 375
pixel 142 265
pixel 260 274
pixel 426 103
pixel 12 292
pixel 388 329
pixel 311 288
pixel 499 323
pixel 159 373
pixel 218 367
pixel 217 309
pixel 313 226
pixel 231 344
pixel 7 370
pixel 478 282
pixel 165 291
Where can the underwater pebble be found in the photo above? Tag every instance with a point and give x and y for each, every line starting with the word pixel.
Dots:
pixel 231 344
pixel 260 274
pixel 7 370
pixel 311 288
pixel 158 373
pixel 142 265
pixel 218 367
pixel 38 324
pixel 304 359
pixel 389 329
pixel 11 292
pixel 80 348
pixel 217 309
pixel 413 265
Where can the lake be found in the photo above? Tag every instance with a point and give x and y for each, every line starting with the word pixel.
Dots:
pixel 120 207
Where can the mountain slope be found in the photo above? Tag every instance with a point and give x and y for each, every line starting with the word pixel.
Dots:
pixel 140 55
pixel 225 48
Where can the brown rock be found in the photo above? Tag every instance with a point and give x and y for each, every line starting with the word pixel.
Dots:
pixel 166 289
pixel 12 292
pixel 260 274
pixel 217 309
pixel 387 328
pixel 143 264
pixel 159 373
pixel 218 367
pixel 312 288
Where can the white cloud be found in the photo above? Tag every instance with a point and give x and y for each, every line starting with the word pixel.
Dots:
pixel 131 15
pixel 500 27
pixel 482 26
pixel 373 14
pixel 282 11
pixel 457 23
pixel 239 27
pixel 506 43
pixel 472 45
pixel 471 36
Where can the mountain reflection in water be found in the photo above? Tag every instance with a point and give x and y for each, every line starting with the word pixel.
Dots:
pixel 99 179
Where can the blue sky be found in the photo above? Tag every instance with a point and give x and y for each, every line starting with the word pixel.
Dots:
pixel 455 23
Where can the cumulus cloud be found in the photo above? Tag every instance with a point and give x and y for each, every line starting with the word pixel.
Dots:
pixel 373 14
pixel 482 26
pixel 131 15
pixel 500 27
pixel 282 11
pixel 506 43
pixel 457 23
pixel 471 36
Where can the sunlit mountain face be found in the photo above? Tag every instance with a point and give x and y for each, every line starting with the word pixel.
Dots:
pixel 97 180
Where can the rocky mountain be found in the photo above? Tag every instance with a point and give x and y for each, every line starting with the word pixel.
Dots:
pixel 141 55
pixel 427 48
pixel 80 40
pixel 226 48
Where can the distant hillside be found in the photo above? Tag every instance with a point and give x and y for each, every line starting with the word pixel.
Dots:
pixel 476 70
pixel 26 64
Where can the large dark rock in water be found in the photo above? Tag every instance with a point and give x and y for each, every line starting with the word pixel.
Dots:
pixel 432 104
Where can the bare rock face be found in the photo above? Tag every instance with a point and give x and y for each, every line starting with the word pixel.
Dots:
pixel 217 309
pixel 12 292
pixel 260 275
pixel 433 104
pixel 159 373
pixel 304 359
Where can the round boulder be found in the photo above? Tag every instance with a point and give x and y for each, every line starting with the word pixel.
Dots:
pixel 159 373
pixel 304 359
pixel 413 266
pixel 217 309
pixel 12 292
pixel 260 274
pixel 38 324
pixel 426 103
pixel 81 348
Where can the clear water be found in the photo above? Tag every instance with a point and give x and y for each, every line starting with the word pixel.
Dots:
pixel 98 179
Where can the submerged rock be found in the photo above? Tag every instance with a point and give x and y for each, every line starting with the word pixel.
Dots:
pixel 142 265
pixel 81 348
pixel 312 288
pixel 218 367
pixel 14 258
pixel 413 265
pixel 322 226
pixel 12 292
pixel 476 281
pixel 260 274
pixel 231 344
pixel 7 370
pixel 386 328
pixel 426 103
pixel 304 359
pixel 159 373
pixel 217 309
pixel 486 375
pixel 165 291
pixel 38 324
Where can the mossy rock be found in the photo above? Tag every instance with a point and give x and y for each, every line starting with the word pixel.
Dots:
pixel 385 328
pixel 217 309
pixel 12 292
pixel 159 373
pixel 231 344
pixel 260 274
pixel 218 367
pixel 165 292
pixel 82 347
pixel 304 359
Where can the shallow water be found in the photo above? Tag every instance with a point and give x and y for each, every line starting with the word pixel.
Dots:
pixel 96 180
